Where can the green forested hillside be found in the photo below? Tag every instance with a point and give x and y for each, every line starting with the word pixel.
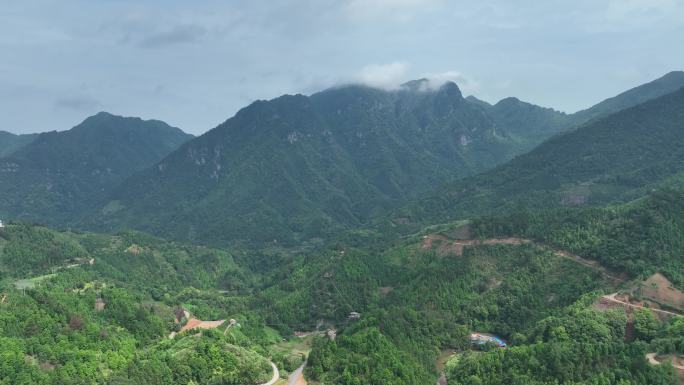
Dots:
pixel 612 159
pixel 416 296
pixel 55 177
pixel 299 167
pixel 522 293
pixel 664 85
pixel 52 332
pixel 532 123
pixel 581 346
pixel 527 122
pixel 639 238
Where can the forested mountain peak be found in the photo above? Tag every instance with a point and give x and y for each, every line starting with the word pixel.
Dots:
pixel 107 122
pixel 58 173
pixel 431 85
pixel 103 140
pixel 303 165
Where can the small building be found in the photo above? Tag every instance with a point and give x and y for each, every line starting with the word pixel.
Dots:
pixel 354 315
pixel 2 225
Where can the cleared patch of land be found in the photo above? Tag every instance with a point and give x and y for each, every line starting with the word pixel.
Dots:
pixel 659 289
pixel 30 283
pixel 445 246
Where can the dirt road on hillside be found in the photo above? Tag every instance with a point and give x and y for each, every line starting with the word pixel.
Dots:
pixel 651 357
pixel 448 246
pixel 297 377
pixel 611 298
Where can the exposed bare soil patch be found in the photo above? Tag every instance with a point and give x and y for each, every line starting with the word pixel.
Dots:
pixel 659 289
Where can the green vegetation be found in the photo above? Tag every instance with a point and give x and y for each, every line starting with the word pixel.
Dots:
pixel 582 346
pixel 296 176
pixel 58 175
pixel 318 164
pixel 53 333
pixel 344 156
pixel 614 159
pixel 664 85
pixel 415 302
pixel 415 299
pixel 639 238
pixel 529 123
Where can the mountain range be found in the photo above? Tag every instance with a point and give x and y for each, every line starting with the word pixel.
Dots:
pixel 303 167
pixel 298 167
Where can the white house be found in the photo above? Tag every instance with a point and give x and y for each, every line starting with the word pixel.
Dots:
pixel 1 225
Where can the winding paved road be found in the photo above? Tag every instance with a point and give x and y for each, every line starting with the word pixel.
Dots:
pixel 276 375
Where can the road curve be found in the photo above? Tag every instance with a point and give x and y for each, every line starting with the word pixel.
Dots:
pixel 651 357
pixel 276 375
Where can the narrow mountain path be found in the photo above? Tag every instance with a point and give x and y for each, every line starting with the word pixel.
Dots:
pixel 651 358
pixel 459 244
pixel 611 298
pixel 586 262
pixel 276 375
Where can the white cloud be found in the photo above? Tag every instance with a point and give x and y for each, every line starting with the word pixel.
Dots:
pixel 436 80
pixel 384 76
pixel 392 75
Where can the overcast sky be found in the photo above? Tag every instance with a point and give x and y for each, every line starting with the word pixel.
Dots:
pixel 194 63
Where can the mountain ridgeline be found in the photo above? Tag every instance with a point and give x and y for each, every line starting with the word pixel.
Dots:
pixel 10 143
pixel 617 158
pixel 664 85
pixel 299 167
pixel 58 175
